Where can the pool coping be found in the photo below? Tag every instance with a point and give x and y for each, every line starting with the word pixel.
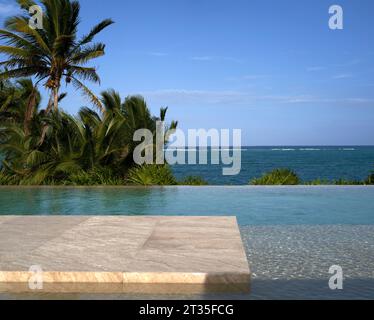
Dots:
pixel 193 254
pixel 192 187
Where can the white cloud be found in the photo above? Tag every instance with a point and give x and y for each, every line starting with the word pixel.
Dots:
pixel 255 76
pixel 215 58
pixel 352 62
pixel 202 58
pixel 316 68
pixel 249 77
pixel 231 98
pixel 196 96
pixel 343 76
pixel 158 54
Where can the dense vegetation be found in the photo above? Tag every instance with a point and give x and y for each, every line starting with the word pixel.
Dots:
pixel 149 175
pixel 370 179
pixel 277 177
pixel 194 181
pixel 91 148
pixel 288 177
pixel 47 146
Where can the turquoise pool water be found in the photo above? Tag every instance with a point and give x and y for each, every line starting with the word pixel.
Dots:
pixel 252 205
pixel 292 235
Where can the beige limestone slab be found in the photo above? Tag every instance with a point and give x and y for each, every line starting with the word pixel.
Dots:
pixel 122 252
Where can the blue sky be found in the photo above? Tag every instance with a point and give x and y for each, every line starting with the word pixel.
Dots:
pixel 271 68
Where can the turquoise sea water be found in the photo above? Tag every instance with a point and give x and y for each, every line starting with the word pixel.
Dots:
pixel 331 163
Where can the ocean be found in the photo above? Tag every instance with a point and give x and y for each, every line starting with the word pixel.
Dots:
pixel 310 163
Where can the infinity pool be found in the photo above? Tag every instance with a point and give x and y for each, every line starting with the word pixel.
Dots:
pixel 292 235
pixel 252 205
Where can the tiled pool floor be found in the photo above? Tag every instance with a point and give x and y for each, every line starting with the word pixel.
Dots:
pixel 293 262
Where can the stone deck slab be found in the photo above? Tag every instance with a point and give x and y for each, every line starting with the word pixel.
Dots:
pixel 114 254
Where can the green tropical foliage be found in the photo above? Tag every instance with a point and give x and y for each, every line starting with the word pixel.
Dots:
pixel 345 182
pixel 92 148
pixel 277 177
pixel 94 178
pixel 288 177
pixel 338 182
pixel 6 180
pixel 19 101
pixel 151 175
pixel 49 146
pixel 370 179
pixel 54 53
pixel 193 181
pixel 318 182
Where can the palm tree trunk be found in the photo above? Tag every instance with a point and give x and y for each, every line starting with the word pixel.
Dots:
pixel 50 104
pixel 29 111
pixel 55 98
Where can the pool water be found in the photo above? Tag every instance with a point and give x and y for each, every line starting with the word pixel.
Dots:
pixel 252 205
pixel 292 235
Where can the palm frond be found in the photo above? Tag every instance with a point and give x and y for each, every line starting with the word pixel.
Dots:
pixel 15 52
pixel 62 44
pixel 21 24
pixel 22 72
pixel 88 93
pixel 88 53
pixel 26 4
pixel 84 73
pixel 95 30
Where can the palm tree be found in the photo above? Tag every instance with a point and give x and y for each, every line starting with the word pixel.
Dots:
pixel 35 163
pixel 90 143
pixel 19 102
pixel 111 133
pixel 53 53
